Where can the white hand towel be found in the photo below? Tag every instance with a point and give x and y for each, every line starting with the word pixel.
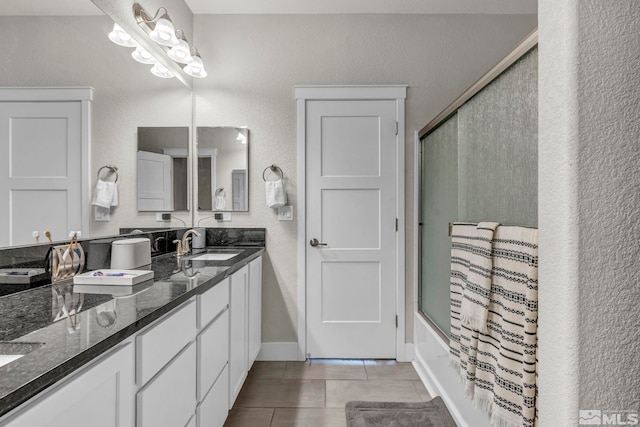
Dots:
pixel 105 194
pixel 220 203
pixel 275 193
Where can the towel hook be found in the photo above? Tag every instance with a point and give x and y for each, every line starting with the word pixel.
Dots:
pixel 275 169
pixel 220 192
pixel 114 170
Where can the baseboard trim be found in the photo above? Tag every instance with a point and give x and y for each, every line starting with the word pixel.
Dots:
pixel 278 351
pixel 431 361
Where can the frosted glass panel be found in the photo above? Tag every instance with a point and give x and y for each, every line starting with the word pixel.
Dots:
pixel 439 207
pixel 498 149
pixel 480 165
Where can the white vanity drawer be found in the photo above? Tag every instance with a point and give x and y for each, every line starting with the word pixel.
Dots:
pixel 156 346
pixel 212 302
pixel 213 410
pixel 213 352
pixel 169 399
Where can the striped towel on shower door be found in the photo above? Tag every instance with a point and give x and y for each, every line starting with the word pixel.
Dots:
pixel 498 366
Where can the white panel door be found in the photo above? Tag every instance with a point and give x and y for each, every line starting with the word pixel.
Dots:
pixel 351 212
pixel 155 182
pixel 41 170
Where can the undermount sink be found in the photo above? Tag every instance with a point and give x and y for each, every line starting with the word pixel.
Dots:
pixel 215 256
pixel 11 351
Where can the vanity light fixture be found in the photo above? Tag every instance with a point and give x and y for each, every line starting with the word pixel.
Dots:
pixel 195 68
pixel 160 70
pixel 242 139
pixel 143 56
pixel 161 30
pixel 181 52
pixel 121 37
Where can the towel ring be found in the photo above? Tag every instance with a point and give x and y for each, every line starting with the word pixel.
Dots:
pixel 220 192
pixel 114 170
pixel 275 169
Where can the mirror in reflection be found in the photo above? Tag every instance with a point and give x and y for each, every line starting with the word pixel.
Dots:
pixel 223 165
pixel 163 158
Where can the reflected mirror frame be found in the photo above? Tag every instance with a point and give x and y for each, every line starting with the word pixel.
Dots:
pixel 163 152
pixel 232 194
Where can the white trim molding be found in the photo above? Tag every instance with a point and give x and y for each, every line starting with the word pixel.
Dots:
pixel 386 92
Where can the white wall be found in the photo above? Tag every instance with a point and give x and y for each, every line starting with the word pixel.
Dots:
pixel 589 193
pixel 254 62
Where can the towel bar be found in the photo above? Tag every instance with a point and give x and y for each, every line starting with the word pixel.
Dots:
pixel 275 169
pixel 114 170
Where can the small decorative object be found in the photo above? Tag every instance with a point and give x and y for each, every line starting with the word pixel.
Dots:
pixel 65 261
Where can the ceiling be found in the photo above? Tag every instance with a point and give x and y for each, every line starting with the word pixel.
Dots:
pixel 85 7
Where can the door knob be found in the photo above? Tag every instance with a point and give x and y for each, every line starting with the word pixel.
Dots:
pixel 314 243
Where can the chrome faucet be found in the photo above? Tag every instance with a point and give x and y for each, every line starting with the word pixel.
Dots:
pixel 182 247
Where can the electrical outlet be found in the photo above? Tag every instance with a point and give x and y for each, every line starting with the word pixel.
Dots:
pixel 163 216
pixel 222 216
pixel 285 213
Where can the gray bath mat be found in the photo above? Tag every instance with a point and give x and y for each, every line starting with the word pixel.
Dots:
pixel 398 414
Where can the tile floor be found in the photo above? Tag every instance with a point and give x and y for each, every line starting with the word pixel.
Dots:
pixel 313 394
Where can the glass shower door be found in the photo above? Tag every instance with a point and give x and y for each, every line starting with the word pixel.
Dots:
pixel 439 207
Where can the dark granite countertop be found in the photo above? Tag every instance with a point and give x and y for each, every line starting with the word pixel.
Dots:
pixel 64 340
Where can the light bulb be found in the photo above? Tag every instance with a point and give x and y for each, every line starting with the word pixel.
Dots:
pixel 160 70
pixel 121 37
pixel 143 56
pixel 164 33
pixel 196 68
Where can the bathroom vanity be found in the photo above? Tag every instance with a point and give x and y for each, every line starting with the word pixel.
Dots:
pixel 173 352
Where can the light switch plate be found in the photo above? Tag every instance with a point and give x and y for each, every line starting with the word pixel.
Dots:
pixel 285 213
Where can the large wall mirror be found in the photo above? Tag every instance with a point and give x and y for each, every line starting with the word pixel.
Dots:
pixel 67 45
pixel 163 169
pixel 223 168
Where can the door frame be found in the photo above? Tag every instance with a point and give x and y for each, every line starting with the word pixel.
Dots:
pixel 397 93
pixel 83 95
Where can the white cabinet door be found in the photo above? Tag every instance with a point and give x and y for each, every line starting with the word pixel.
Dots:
pixel 237 332
pixel 255 310
pixel 100 396
pixel 213 410
pixel 169 399
pixel 157 345
pixel 213 353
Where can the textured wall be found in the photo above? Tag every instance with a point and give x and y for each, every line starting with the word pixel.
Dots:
pixel 254 62
pixel 589 190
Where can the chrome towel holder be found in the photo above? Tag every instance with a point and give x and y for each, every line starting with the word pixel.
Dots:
pixel 112 168
pixel 275 169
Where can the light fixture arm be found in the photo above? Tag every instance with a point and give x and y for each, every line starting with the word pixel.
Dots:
pixel 143 17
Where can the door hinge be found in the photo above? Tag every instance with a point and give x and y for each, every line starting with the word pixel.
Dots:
pixel 396 128
pixel 396 321
pixel 396 224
